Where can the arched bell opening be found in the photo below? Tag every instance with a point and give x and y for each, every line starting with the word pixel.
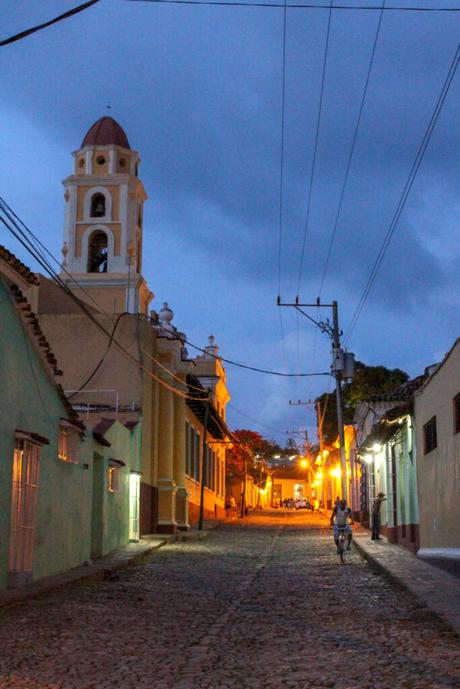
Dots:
pixel 98 252
pixel 98 206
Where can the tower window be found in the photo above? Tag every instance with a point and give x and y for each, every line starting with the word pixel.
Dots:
pixel 98 206
pixel 100 160
pixel 97 252
pixel 122 162
pixel 81 162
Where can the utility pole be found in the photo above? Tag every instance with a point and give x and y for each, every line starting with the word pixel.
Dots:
pixel 299 403
pixel 342 367
pixel 243 494
pixel 320 415
pixel 338 390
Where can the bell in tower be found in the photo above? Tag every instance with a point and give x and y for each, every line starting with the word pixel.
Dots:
pixel 103 221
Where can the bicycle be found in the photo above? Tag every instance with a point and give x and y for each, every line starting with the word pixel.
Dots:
pixel 341 543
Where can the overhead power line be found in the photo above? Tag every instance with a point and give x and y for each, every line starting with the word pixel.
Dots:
pixel 315 149
pixel 352 150
pixel 20 233
pixel 12 216
pixel 256 421
pixel 281 179
pixel 406 191
pixel 39 27
pixel 225 3
pixel 303 6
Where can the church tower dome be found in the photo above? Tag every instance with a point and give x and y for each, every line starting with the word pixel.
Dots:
pixel 104 132
pixel 104 220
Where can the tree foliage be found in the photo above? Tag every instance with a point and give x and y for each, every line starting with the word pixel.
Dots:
pixel 251 444
pixel 368 382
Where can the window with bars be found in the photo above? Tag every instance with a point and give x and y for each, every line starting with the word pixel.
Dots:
pixel 210 470
pixel 456 409
pixel 67 447
pixel 430 440
pixel 192 452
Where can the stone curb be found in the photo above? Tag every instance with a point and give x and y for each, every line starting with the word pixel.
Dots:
pixel 433 588
pixel 104 567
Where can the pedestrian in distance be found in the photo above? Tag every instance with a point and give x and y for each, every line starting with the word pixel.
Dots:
pixel 376 517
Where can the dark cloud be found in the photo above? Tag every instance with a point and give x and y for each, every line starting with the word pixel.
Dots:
pixel 198 91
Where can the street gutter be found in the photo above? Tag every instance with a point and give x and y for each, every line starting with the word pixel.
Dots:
pixel 103 568
pixel 437 590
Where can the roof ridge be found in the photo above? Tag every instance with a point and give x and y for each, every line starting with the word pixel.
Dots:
pixel 17 265
pixel 32 326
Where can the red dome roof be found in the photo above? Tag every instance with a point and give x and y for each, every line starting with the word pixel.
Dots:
pixel 105 132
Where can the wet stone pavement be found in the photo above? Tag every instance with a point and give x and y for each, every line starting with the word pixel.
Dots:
pixel 263 604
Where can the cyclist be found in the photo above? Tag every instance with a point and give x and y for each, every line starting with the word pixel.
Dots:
pixel 341 517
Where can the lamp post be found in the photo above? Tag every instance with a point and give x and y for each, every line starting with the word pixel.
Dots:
pixel 203 461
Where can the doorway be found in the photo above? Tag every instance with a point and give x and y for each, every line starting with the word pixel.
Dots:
pixel 26 465
pixel 134 498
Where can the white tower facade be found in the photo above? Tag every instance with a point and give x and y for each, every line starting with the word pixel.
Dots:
pixel 104 222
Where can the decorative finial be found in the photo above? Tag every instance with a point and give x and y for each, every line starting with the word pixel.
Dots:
pixel 211 348
pixel 166 315
pixel 65 251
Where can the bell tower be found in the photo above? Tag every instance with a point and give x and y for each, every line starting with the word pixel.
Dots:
pixel 104 200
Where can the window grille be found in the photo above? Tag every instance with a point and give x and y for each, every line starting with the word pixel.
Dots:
pixel 430 440
pixel 67 449
pixel 456 406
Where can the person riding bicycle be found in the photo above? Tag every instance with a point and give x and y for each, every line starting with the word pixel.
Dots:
pixel 341 517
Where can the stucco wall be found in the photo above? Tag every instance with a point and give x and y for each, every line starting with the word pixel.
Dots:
pixel 125 447
pixel 29 401
pixel 438 472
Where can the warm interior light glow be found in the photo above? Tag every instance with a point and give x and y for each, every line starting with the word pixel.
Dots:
pixel 368 459
pixel 304 463
pixel 336 472
pixel 376 447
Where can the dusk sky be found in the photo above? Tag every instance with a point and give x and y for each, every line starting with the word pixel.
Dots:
pixel 198 91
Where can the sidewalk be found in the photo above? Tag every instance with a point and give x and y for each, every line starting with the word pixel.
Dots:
pixel 104 567
pixel 438 590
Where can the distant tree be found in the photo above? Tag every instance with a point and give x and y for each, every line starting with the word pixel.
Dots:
pixel 251 448
pixel 368 382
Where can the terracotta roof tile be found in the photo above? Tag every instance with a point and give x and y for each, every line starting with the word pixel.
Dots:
pixel 18 266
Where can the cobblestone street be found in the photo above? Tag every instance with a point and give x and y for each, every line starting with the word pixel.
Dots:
pixel 262 604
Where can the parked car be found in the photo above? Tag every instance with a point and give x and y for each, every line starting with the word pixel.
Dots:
pixel 303 504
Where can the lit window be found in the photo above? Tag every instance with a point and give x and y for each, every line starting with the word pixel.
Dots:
pixel 430 439
pixel 67 450
pixel 114 479
pixel 114 475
